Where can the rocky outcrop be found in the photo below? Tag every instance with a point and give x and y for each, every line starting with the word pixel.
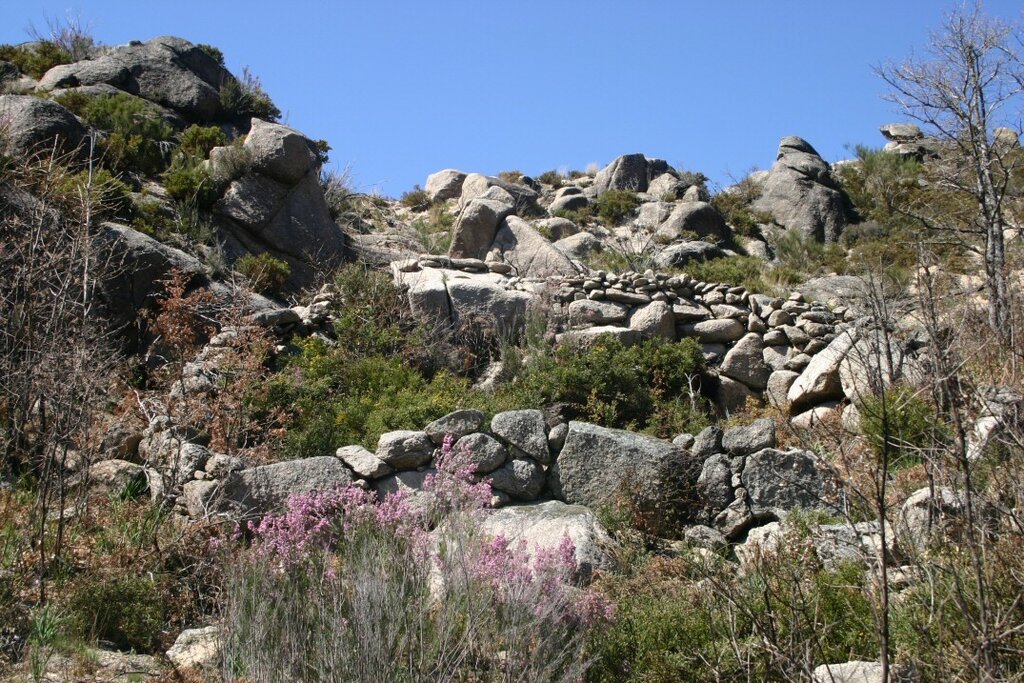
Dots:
pixel 598 464
pixel 276 203
pixel 32 125
pixel 800 193
pixel 543 526
pixel 530 255
pixel 443 185
pixel 169 71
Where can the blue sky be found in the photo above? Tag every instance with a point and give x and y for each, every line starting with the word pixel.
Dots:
pixel 402 89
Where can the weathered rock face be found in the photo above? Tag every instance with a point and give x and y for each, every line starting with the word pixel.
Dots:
pixel 524 430
pixel 169 71
pixel 596 462
pixel 278 205
pixel 544 525
pixel 820 381
pixel 458 423
pixel 530 255
pixel 451 296
pixel 628 172
pixel 476 186
pixel 196 648
pixel 783 480
pixel 259 490
pixel 33 125
pixel 925 518
pixel 699 218
pixel 485 452
pixel 800 193
pixel 405 448
pixel 446 184
pixel 476 227
pixel 681 254
pixel 860 672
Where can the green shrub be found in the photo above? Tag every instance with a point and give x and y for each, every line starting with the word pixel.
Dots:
pixel 415 199
pixel 748 271
pixel 244 98
pixel 579 216
pixel 614 206
pixel 35 59
pixel 196 141
pixel 880 184
pixel 805 254
pixel 127 611
pixel 190 183
pixel 436 229
pixel 735 207
pixel 135 133
pixel 553 178
pixel 74 101
pixel 266 274
pixel 215 52
pixel 109 197
pixel 646 386
pixel 906 422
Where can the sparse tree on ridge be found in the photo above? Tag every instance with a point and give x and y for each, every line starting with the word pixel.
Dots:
pixel 970 85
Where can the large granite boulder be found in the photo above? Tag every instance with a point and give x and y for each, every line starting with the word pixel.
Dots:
pixel 169 71
pixel 545 525
pixel 699 218
pixel 277 204
pixel 800 193
pixel 597 465
pixel 34 125
pixel 259 490
pixel 476 227
pixel 521 246
pixel 628 172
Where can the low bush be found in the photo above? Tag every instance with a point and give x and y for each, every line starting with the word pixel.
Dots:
pixel 126 611
pixel 748 271
pixel 196 141
pixel 215 52
pixel 614 206
pixel 552 178
pixel 36 58
pixel 244 98
pixel 435 229
pixel 415 199
pixel 108 197
pixel 135 133
pixel 650 386
pixel 903 422
pixel 189 182
pixel 266 274
pixel 355 595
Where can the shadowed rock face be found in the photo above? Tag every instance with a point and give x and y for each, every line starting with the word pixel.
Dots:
pixel 32 124
pixel 800 193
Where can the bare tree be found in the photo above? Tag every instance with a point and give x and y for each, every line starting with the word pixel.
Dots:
pixel 971 83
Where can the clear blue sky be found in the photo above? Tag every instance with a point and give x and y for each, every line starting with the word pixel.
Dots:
pixel 402 89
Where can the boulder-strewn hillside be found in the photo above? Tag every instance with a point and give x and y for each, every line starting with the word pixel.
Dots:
pixel 589 426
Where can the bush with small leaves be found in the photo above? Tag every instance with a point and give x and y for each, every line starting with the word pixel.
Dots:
pixel 416 199
pixel 266 274
pixel 135 133
pixel 107 196
pixel 215 52
pixel 244 98
pixel 127 611
pixel 35 59
pixel 196 141
pixel 552 178
pixel 614 206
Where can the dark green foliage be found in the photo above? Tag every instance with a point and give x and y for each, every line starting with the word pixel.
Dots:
pixel 804 254
pixel 35 59
pixel 691 178
pixel 882 185
pixel 339 399
pixel 323 150
pixel 905 422
pixel 614 206
pixel 196 141
pixel 735 207
pixel 74 101
pixel 642 387
pixel 127 611
pixel 215 52
pixel 108 196
pixel 266 274
pixel 553 178
pixel 691 619
pixel 134 133
pixel 245 98
pixel 748 271
pixel 415 199
pixel 189 182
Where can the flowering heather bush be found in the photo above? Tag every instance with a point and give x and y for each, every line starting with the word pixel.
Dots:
pixel 342 586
